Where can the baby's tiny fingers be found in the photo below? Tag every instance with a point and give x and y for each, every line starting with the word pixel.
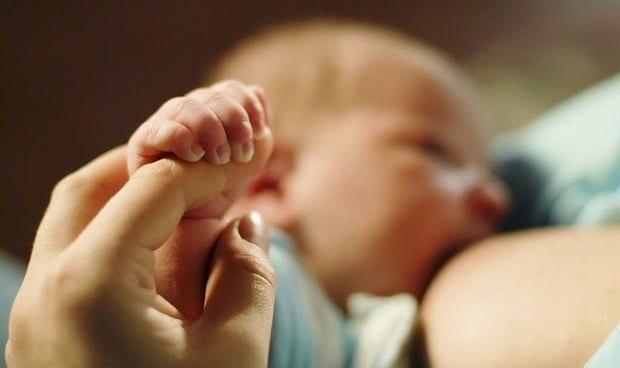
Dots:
pixel 206 128
pixel 249 99
pixel 235 120
pixel 260 94
pixel 155 138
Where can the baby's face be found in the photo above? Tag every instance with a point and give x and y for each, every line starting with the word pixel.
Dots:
pixel 395 182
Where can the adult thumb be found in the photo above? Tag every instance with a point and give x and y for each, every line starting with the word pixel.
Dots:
pixel 241 285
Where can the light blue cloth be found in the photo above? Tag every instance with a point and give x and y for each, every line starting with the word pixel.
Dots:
pixel 11 275
pixel 308 331
pixel 608 355
pixel 564 168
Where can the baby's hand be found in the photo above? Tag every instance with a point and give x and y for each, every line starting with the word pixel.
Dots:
pixel 218 123
pixel 223 124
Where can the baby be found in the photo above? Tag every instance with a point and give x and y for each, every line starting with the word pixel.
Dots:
pixel 380 164
pixel 379 168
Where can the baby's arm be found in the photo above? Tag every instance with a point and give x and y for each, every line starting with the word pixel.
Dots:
pixel 218 123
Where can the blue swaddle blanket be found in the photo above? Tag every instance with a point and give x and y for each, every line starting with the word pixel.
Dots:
pixel 308 330
pixel 564 168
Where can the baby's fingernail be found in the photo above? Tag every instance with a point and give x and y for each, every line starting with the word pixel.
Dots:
pixel 261 129
pixel 243 152
pixel 222 154
pixel 197 150
pixel 253 229
pixel 260 93
pixel 261 132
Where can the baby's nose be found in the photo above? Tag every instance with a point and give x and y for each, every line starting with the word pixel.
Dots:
pixel 487 202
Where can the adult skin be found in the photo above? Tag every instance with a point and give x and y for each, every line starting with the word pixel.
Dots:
pixel 89 296
pixel 541 298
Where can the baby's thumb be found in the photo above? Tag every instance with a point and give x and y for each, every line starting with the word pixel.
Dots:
pixel 241 286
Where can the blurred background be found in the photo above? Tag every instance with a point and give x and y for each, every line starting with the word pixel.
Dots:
pixel 76 78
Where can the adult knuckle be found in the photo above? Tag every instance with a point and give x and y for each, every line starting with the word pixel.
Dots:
pixel 78 287
pixel 80 187
pixel 258 267
pixel 65 285
pixel 73 184
pixel 60 278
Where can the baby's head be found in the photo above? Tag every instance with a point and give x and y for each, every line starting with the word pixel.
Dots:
pixel 380 164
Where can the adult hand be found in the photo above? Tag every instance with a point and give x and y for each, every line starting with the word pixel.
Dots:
pixel 89 296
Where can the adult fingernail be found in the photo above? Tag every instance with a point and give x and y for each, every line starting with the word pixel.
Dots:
pixel 253 229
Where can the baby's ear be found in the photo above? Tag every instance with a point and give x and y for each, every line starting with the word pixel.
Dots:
pixel 270 178
pixel 268 192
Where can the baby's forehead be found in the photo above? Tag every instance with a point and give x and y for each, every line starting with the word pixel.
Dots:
pixel 412 82
pixel 400 77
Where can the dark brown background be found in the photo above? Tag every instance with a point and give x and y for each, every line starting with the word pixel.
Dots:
pixel 77 78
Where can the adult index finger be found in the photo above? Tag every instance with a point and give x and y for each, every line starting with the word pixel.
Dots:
pixel 145 212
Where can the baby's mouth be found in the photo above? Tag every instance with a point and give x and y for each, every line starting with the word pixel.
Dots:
pixel 445 257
